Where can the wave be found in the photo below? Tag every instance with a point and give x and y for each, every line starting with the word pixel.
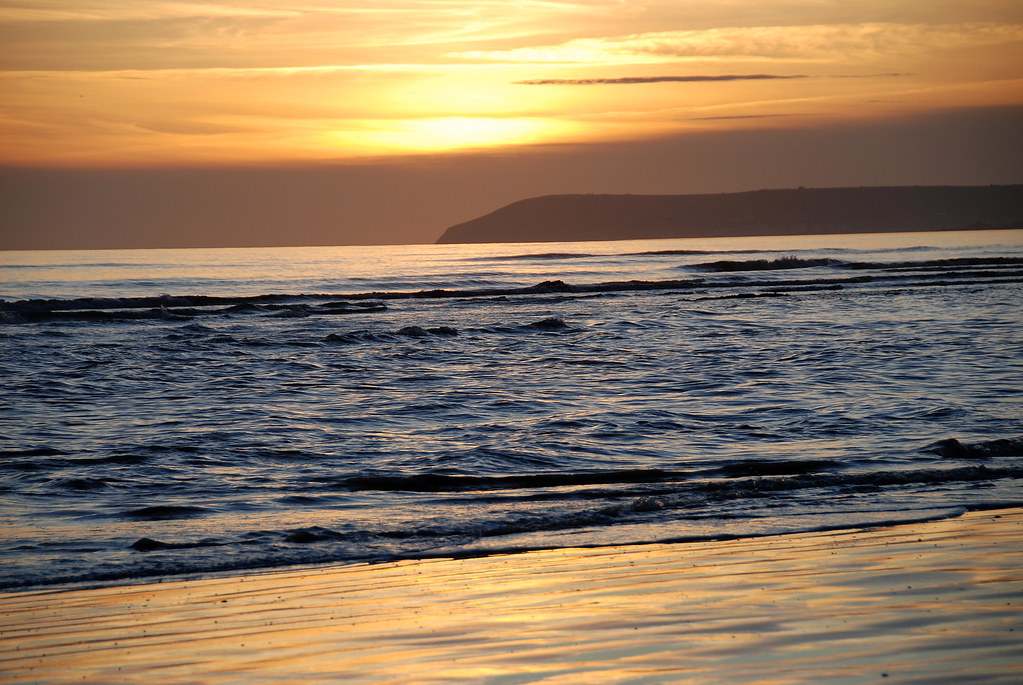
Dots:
pixel 794 262
pixel 742 478
pixel 690 252
pixel 539 256
pixel 723 499
pixel 183 307
pixel 315 545
pixel 939 263
pixel 543 256
pixel 951 447
pixel 549 324
pixel 32 452
pixel 789 262
pixel 164 512
pixel 406 332
pixel 664 505
pixel 432 482
pixel 399 284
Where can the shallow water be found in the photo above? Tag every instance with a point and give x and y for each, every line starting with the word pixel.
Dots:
pixel 177 411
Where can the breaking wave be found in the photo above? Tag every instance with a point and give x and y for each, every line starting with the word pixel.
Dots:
pixel 942 272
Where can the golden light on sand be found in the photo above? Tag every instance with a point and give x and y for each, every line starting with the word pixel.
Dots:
pixel 925 602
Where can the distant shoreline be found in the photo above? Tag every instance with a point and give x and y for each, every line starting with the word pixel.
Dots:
pixel 802 211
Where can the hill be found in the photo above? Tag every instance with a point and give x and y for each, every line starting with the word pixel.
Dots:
pixel 555 218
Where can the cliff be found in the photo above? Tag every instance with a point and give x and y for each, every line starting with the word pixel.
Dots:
pixel 762 212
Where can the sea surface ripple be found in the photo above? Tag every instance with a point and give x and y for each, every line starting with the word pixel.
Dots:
pixel 171 412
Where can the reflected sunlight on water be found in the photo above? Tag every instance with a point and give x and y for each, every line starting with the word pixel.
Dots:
pixel 430 400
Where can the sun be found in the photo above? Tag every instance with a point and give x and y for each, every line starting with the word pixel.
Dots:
pixel 440 134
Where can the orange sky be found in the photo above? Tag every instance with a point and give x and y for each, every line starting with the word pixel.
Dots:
pixel 111 84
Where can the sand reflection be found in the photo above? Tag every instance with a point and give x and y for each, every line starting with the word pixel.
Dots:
pixel 909 604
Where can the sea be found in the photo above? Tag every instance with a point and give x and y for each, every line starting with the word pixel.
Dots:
pixel 173 413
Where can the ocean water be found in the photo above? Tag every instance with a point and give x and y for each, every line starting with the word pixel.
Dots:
pixel 171 412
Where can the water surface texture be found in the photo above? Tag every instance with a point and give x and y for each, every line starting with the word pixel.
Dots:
pixel 191 411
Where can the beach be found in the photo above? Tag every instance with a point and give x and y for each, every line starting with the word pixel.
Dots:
pixel 493 343
pixel 929 602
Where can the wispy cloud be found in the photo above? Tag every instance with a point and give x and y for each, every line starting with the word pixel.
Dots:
pixel 754 116
pixel 626 80
pixel 843 42
pixel 111 34
pixel 250 79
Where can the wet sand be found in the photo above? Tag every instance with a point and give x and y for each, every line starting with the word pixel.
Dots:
pixel 936 602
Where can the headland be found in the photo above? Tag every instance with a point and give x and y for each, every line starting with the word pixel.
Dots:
pixel 802 211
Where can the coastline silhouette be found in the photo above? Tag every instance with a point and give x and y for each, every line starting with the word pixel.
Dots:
pixel 802 211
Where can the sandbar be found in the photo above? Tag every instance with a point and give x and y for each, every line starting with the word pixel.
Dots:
pixel 933 602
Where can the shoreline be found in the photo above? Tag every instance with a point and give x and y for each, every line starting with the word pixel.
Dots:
pixel 912 603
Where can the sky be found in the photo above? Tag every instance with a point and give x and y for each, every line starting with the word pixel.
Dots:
pixel 249 122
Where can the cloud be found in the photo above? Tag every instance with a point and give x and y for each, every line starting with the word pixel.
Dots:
pixel 653 79
pixel 160 34
pixel 752 116
pixel 840 42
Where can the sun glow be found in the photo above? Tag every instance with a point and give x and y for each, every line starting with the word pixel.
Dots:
pixel 100 82
pixel 442 134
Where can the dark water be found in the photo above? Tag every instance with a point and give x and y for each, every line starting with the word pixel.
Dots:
pixel 456 399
